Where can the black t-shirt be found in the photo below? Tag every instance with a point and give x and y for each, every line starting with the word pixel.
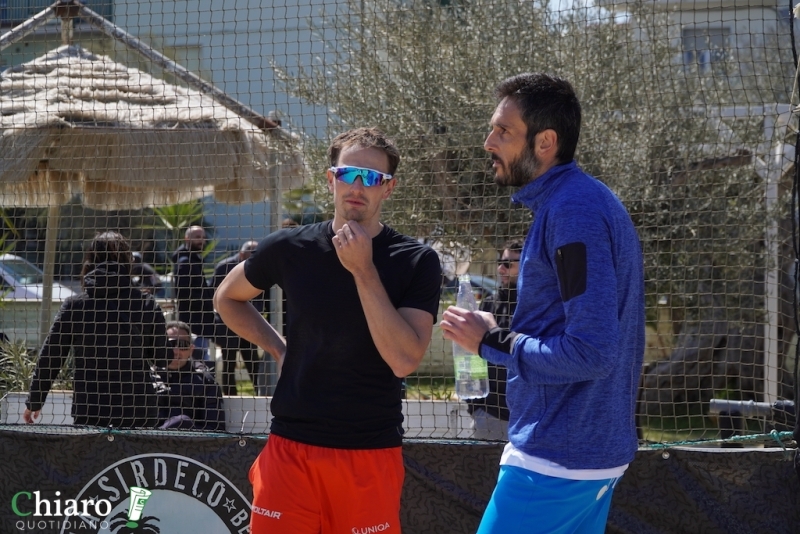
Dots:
pixel 335 389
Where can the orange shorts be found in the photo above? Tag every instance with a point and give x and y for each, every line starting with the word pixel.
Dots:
pixel 303 489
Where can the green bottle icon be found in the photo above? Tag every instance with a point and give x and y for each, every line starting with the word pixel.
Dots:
pixel 138 499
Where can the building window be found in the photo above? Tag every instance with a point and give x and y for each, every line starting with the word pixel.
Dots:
pixel 705 46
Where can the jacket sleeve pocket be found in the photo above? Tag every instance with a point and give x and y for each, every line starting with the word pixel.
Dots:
pixel 571 267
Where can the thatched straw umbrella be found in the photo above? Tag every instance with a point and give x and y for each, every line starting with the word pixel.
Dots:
pixel 75 122
pixel 72 122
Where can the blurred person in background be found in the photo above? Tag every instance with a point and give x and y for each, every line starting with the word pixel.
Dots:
pixel 193 295
pixel 490 414
pixel 289 222
pixel 116 333
pixel 227 340
pixel 145 276
pixel 189 397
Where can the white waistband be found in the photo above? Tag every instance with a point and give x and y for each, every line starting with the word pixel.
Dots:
pixel 514 456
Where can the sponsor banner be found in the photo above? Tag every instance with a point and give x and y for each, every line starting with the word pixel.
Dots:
pixel 144 482
pixel 707 491
pixel 177 483
pixel 148 482
pixel 447 485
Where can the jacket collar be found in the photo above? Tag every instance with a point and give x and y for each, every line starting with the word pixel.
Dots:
pixel 107 279
pixel 535 192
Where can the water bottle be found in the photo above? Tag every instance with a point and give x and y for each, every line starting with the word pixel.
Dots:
pixel 471 371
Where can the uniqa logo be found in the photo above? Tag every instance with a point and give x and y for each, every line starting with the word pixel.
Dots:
pixel 54 507
pixel 370 530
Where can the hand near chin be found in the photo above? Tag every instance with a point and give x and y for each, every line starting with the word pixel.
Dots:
pixel 354 247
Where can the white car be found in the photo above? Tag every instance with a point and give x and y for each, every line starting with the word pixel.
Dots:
pixel 22 280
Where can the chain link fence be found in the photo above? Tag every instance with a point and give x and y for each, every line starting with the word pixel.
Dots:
pixel 146 118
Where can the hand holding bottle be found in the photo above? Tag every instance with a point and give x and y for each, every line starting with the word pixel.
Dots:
pixel 471 371
pixel 466 327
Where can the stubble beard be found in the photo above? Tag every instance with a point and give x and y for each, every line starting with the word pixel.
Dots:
pixel 520 171
pixel 354 214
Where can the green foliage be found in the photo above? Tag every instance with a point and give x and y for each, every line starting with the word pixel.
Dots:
pixel 245 388
pixel 7 228
pixel 652 127
pixel 17 364
pixel 430 388
pixel 172 221
pixel 16 367
pixel 302 206
pixel 410 71
pixel 6 245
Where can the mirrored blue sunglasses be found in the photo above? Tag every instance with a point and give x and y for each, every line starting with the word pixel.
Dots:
pixel 369 177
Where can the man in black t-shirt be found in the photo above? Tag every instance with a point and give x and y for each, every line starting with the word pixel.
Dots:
pixel 363 301
pixel 490 414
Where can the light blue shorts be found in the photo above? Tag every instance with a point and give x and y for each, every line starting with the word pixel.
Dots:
pixel 525 502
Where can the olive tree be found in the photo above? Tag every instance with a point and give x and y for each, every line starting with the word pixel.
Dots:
pixel 425 72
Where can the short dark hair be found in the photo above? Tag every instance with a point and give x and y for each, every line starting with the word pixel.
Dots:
pixel 107 247
pixel 514 245
pixel 364 138
pixel 179 325
pixel 547 103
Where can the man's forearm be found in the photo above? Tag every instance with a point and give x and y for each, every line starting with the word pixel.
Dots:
pixel 397 341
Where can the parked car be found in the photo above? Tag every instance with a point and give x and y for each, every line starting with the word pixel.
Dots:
pixel 22 280
pixel 482 286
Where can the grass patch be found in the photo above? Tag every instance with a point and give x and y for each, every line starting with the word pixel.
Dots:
pixel 678 428
pixel 420 388
pixel 430 388
pixel 245 388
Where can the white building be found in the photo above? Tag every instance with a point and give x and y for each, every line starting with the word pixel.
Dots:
pixel 233 44
pixel 706 31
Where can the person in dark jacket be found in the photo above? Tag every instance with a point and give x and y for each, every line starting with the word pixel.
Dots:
pixel 228 341
pixel 193 295
pixel 116 334
pixel 145 276
pixel 490 414
pixel 189 397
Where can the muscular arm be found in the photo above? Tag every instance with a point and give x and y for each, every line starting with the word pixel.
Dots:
pixel 232 302
pixel 400 335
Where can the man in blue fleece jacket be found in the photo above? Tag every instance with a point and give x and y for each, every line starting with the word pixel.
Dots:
pixel 576 343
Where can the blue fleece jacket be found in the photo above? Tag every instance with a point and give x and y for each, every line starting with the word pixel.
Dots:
pixel 574 353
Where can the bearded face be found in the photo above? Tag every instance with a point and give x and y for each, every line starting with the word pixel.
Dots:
pixel 518 171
